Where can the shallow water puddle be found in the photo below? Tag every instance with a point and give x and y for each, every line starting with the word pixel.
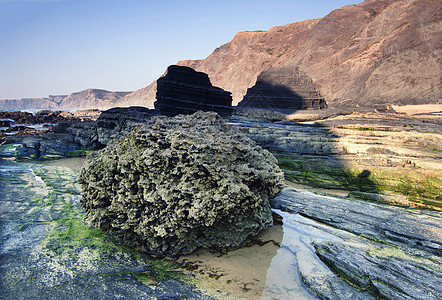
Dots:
pixel 270 269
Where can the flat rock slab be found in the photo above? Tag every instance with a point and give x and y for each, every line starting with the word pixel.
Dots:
pixel 395 253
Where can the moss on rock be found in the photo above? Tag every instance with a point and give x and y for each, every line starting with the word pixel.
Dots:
pixel 177 184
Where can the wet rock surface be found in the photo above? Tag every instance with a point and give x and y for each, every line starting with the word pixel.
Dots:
pixel 73 137
pixel 178 184
pixel 46 251
pixel 395 253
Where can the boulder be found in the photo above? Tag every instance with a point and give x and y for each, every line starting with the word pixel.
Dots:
pixel 120 120
pixel 183 91
pixel 176 184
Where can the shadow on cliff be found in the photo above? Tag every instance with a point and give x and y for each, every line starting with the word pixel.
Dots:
pixel 264 95
pixel 312 155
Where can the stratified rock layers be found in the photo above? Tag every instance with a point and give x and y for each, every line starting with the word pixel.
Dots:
pixel 183 90
pixel 285 87
pixel 178 184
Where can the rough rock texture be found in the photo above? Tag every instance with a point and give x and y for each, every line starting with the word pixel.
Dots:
pixel 181 183
pixel 183 90
pixel 283 88
pixel 73 137
pixel 43 116
pixel 112 123
pixel 47 252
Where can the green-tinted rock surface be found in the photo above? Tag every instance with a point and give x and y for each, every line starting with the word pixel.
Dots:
pixel 47 252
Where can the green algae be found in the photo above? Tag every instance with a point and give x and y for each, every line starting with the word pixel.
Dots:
pixel 79 153
pixel 420 190
pixel 330 174
pixel 70 236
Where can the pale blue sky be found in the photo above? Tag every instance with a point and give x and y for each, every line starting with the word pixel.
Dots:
pixel 50 47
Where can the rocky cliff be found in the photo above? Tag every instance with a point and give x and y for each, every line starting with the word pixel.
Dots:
pixel 183 90
pixel 376 52
pixel 286 89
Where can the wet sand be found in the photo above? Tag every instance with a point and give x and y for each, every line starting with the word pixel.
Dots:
pixel 238 274
pixel 74 163
pixel 418 109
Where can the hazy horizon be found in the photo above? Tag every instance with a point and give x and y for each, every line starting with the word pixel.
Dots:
pixel 58 47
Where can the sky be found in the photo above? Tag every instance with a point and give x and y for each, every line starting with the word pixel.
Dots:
pixel 57 47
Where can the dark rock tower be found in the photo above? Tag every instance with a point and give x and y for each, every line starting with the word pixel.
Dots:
pixel 184 91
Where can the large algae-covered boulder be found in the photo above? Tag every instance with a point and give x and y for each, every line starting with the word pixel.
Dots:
pixel 177 184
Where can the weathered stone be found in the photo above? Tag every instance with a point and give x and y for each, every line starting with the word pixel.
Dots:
pixel 395 253
pixel 384 271
pixel 283 88
pixel 118 121
pixel 391 225
pixel 112 123
pixel 177 184
pixel 47 252
pixel 183 90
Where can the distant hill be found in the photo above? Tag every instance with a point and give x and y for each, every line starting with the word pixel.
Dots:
pixel 90 98
pixel 376 52
pixel 51 102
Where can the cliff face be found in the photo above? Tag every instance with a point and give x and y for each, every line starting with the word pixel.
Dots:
pixel 376 52
pixel 373 52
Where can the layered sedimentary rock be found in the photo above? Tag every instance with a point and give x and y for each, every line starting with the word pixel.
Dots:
pixel 286 88
pixel 183 90
pixel 178 184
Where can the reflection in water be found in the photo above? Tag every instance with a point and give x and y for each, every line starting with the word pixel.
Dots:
pixel 297 256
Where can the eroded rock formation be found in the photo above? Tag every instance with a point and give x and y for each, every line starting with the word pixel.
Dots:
pixel 178 184
pixel 283 88
pixel 183 90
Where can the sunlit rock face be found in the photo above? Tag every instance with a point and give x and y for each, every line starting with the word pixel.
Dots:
pixel 177 184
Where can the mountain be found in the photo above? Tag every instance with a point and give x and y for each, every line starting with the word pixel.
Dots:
pixel 51 102
pixel 376 52
pixel 90 98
